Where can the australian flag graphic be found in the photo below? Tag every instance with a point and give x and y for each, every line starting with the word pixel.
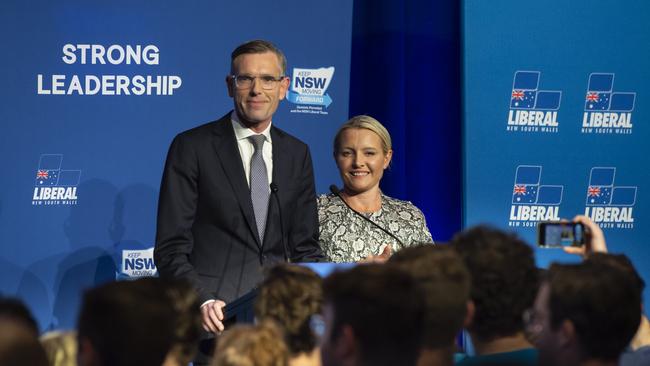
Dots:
pixel 528 190
pixel 49 173
pixel 601 97
pixel 49 166
pixel 526 94
pixel 602 192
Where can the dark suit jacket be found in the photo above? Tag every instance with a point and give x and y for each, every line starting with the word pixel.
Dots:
pixel 206 230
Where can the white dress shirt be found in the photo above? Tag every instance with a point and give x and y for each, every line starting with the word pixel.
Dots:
pixel 247 149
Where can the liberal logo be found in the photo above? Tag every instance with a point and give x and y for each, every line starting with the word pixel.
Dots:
pixel 308 90
pixel 533 201
pixel 607 111
pixel 608 205
pixel 53 185
pixel 531 109
pixel 137 263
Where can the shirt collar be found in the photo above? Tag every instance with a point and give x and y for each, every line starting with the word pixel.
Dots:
pixel 242 132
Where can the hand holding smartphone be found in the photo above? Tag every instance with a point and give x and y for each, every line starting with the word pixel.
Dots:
pixel 560 234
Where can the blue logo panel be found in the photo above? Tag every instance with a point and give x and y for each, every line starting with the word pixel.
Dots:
pixel 622 102
pixel 550 195
pixel 601 82
pixel 526 80
pixel 602 176
pixel 549 100
pixel 528 175
pixel 624 196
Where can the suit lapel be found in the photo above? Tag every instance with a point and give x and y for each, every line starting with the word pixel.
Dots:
pixel 281 160
pixel 227 151
pixel 280 174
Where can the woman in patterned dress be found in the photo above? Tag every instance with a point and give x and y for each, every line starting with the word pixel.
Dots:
pixel 362 151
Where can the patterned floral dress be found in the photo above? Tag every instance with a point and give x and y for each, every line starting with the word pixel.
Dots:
pixel 346 237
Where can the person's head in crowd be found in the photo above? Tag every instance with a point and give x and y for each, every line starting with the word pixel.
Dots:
pixel 252 345
pixel 12 308
pixel 291 295
pixel 504 284
pixel 362 151
pixel 60 347
pixel 445 283
pixel 257 82
pixel 187 326
pixel 128 323
pixel 586 313
pixel 373 315
pixel 19 344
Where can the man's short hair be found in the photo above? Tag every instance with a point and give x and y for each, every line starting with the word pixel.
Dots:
pixel 504 280
pixel 12 308
pixel 259 46
pixel 602 302
pixel 445 284
pixel 621 262
pixel 19 345
pixel 129 322
pixel 252 345
pixel 290 295
pixel 383 306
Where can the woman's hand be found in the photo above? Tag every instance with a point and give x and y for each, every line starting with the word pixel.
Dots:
pixel 381 258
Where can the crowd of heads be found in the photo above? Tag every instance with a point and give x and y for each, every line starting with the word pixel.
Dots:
pixel 407 311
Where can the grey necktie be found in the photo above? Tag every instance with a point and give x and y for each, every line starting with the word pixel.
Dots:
pixel 259 182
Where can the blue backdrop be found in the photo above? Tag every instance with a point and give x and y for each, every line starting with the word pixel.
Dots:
pixel 555 113
pixel 81 172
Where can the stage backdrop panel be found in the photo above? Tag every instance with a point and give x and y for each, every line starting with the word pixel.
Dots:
pixel 556 119
pixel 92 95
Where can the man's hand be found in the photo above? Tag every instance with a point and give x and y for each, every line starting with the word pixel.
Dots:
pixel 212 316
pixel 594 238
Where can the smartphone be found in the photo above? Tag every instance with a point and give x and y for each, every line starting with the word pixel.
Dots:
pixel 557 234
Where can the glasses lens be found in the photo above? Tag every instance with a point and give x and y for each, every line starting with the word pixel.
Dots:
pixel 243 81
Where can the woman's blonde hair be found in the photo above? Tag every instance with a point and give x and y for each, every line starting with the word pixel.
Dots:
pixel 60 347
pixel 368 123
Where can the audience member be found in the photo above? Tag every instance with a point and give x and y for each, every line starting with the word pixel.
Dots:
pixel 504 283
pixel 12 308
pixel 252 345
pixel 290 295
pixel 638 351
pixel 373 316
pixel 60 347
pixel 19 343
pixel 445 283
pixel 19 346
pixel 585 314
pixel 187 327
pixel 128 323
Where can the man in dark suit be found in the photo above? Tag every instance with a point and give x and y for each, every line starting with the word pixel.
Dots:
pixel 237 194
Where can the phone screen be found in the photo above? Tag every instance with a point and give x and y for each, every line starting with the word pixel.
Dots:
pixel 560 234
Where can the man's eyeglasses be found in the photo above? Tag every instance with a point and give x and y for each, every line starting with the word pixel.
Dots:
pixel 267 82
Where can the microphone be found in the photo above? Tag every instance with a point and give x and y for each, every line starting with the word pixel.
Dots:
pixel 335 190
pixel 274 192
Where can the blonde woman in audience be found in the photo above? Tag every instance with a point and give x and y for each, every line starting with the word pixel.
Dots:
pixel 252 345
pixel 60 347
